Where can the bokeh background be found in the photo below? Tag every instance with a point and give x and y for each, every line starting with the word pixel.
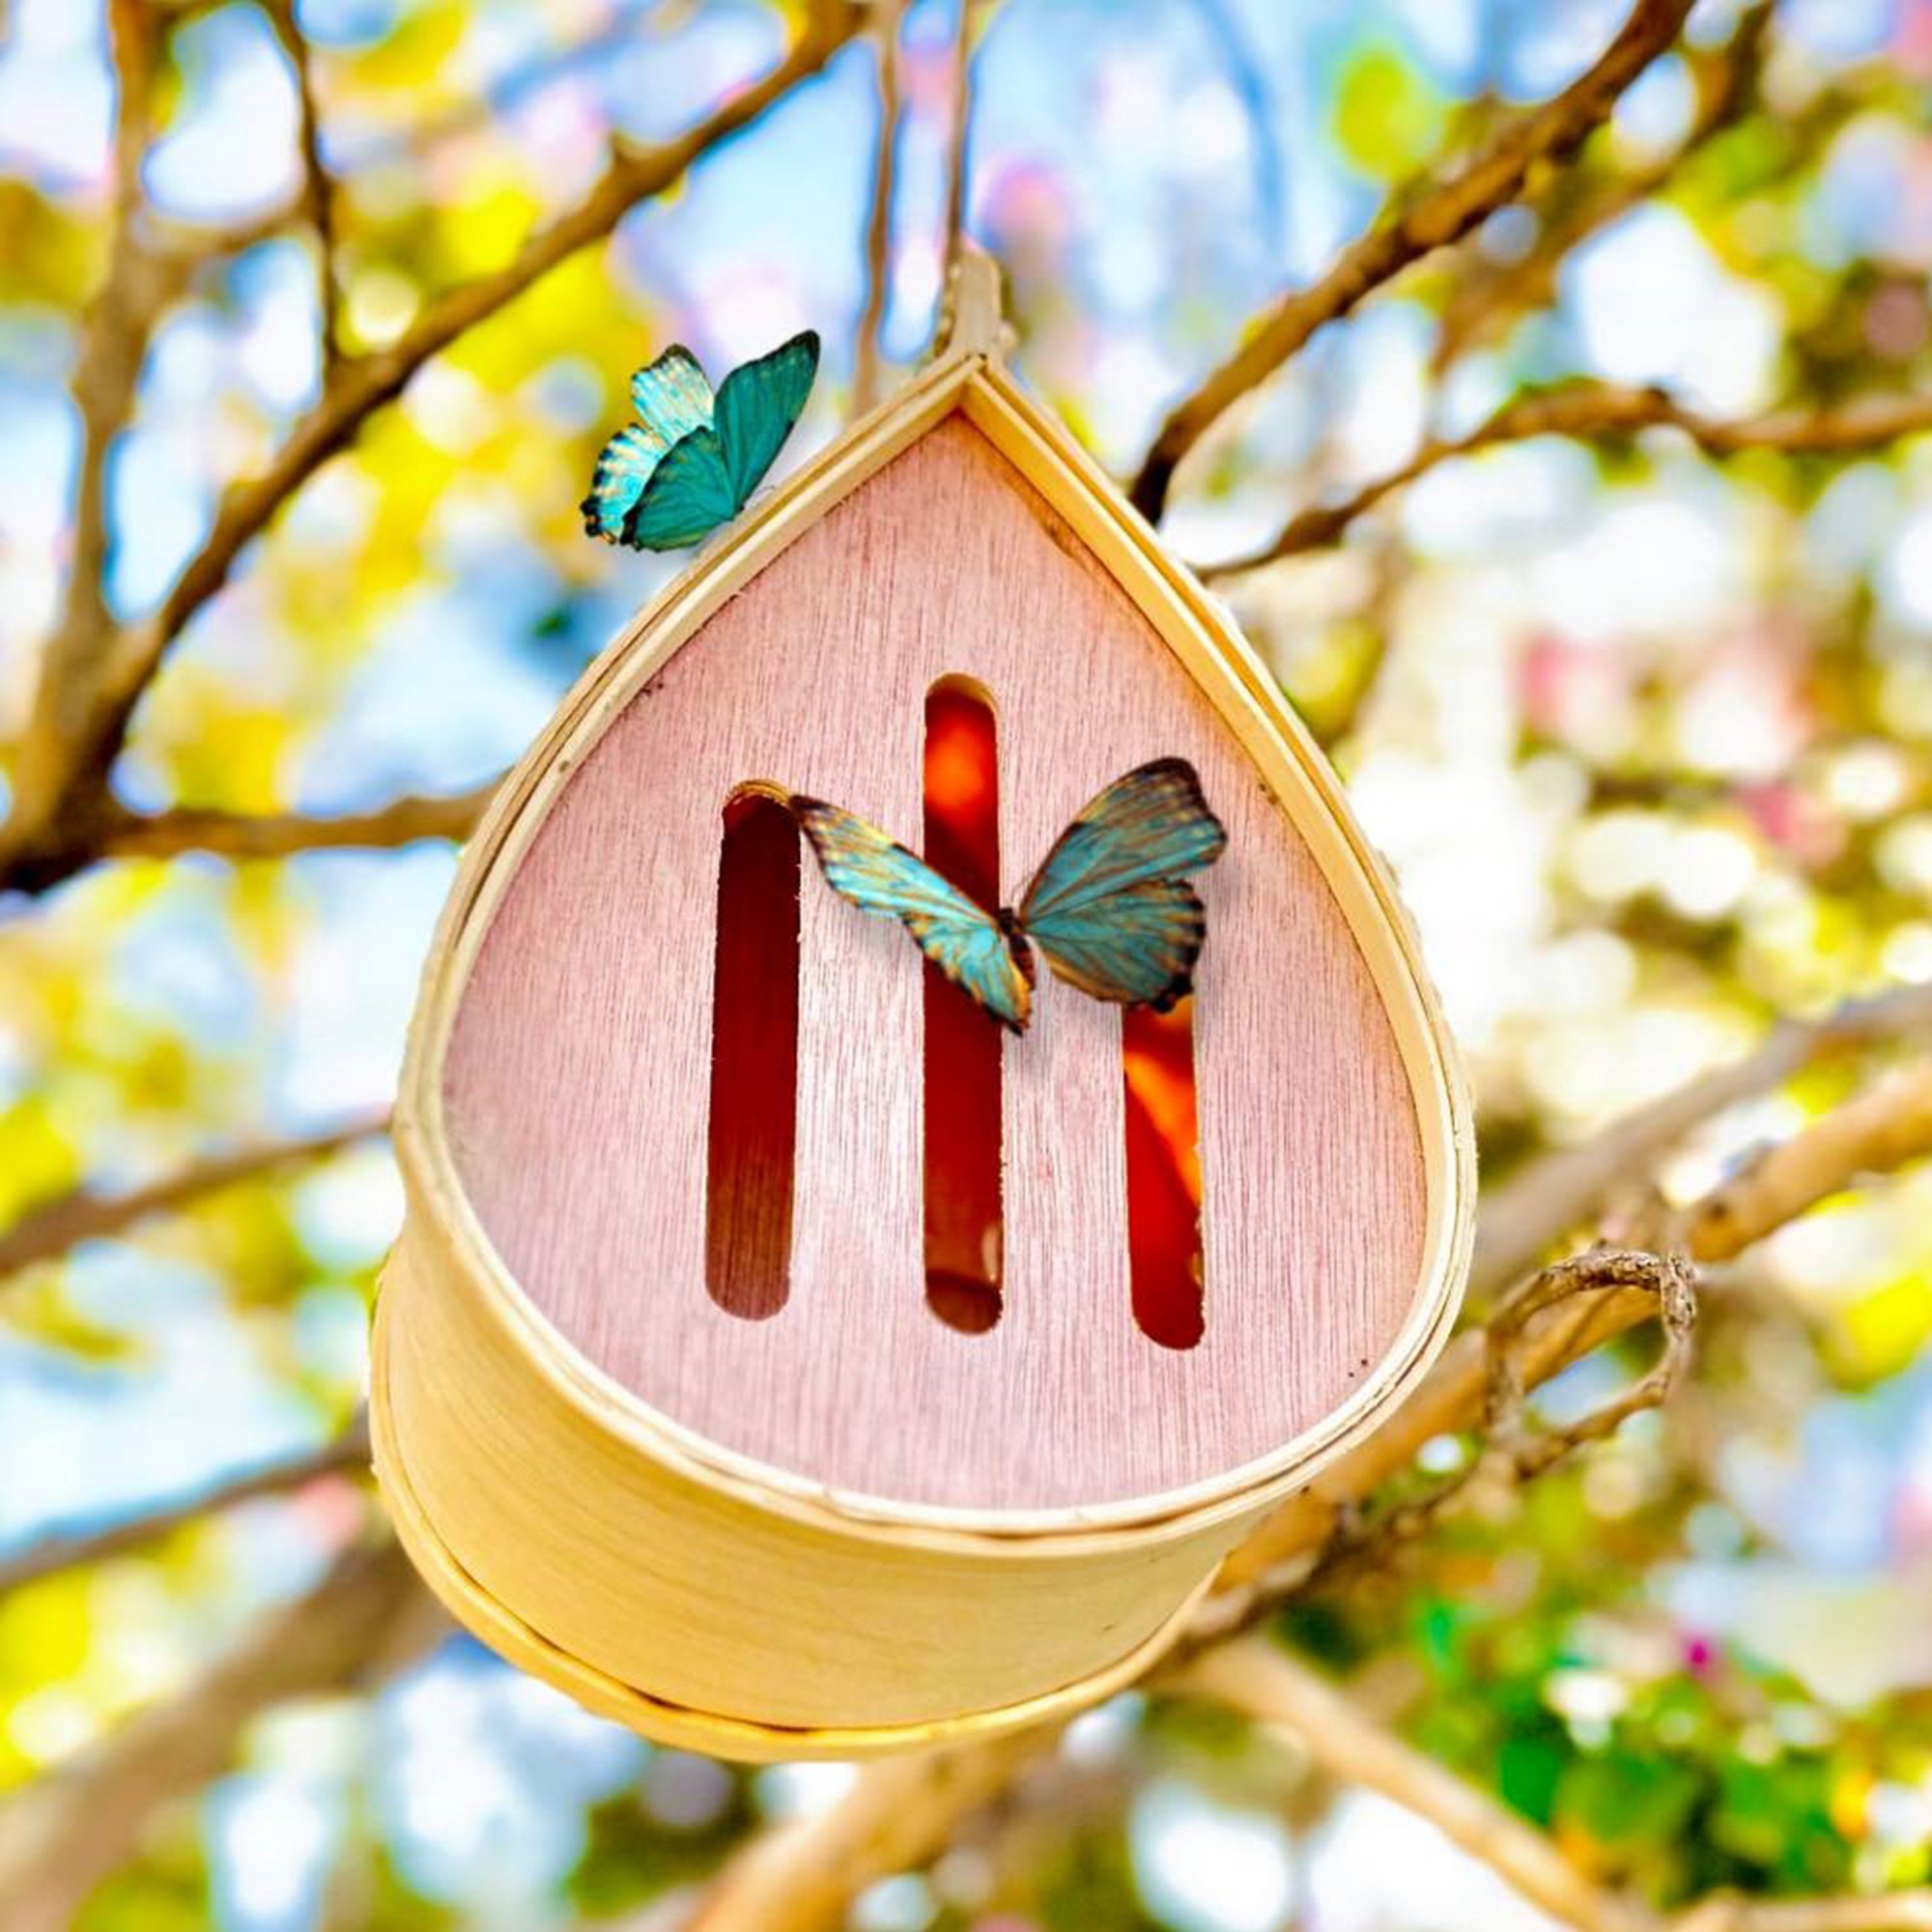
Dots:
pixel 1645 730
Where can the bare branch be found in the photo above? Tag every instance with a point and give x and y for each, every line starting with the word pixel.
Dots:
pixel 61 1838
pixel 1554 1196
pixel 84 1216
pixel 1877 1132
pixel 58 809
pixel 801 1876
pixel 879 221
pixel 1430 220
pixel 68 1550
pixel 1598 411
pixel 1264 1684
pixel 1535 1335
pixel 106 376
pixel 1907 1911
pixel 317 194
pixel 1667 1278
pixel 1484 298
pixel 279 834
pixel 959 152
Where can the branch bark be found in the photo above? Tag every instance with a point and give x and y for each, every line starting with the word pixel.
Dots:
pixel 61 1550
pixel 85 1215
pixel 1267 1684
pixel 1432 219
pixel 61 801
pixel 1594 412
pixel 318 188
pixel 1263 1683
pixel 879 217
pixel 235 835
pixel 1484 298
pixel 1558 1193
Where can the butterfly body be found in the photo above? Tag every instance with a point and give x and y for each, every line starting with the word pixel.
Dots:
pixel 1110 906
pixel 692 460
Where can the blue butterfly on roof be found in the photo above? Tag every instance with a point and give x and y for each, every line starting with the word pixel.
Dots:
pixel 691 459
pixel 1110 905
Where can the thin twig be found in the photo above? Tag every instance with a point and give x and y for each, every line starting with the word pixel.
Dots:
pixel 235 835
pixel 1430 220
pixel 1522 1346
pixel 959 138
pixel 879 218
pixel 1599 412
pixel 68 1550
pixel 84 1216
pixel 318 188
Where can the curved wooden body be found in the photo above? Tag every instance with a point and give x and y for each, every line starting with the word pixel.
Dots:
pixel 850 1527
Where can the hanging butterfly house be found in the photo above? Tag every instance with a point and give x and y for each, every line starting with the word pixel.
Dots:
pixel 814 1333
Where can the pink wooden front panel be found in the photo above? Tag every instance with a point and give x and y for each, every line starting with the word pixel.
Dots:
pixel 576 1078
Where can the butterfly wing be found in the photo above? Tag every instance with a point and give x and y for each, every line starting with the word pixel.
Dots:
pixel 688 496
pixel 1110 906
pixel 671 399
pixel 624 466
pixel 672 396
pixel 757 404
pixel 878 875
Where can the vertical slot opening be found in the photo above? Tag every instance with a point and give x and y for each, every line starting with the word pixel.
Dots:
pixel 1163 1175
pixel 754 1120
pixel 963 1217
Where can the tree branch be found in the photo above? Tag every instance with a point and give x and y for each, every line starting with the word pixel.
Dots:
pixel 959 140
pixel 61 1838
pixel 318 196
pixel 801 1876
pixel 879 218
pixel 106 376
pixel 1264 1684
pixel 1431 220
pixel 60 803
pixel 61 1550
pixel 238 835
pixel 1484 298
pixel 1598 411
pixel 1877 1132
pixel 85 1215
pixel 1558 1193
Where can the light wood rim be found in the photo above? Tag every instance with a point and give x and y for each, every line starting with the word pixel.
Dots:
pixel 1197 630
pixel 681 1726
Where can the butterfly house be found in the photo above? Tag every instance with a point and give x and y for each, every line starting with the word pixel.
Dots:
pixel 924 1119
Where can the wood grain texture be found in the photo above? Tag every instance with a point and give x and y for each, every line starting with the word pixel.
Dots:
pixel 576 1078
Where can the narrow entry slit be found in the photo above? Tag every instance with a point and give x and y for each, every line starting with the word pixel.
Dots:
pixel 754 1120
pixel 1163 1174
pixel 963 1216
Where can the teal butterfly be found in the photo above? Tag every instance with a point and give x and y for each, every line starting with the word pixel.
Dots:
pixel 692 460
pixel 1110 905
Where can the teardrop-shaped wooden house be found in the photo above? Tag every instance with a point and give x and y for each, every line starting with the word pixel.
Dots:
pixel 777 1356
